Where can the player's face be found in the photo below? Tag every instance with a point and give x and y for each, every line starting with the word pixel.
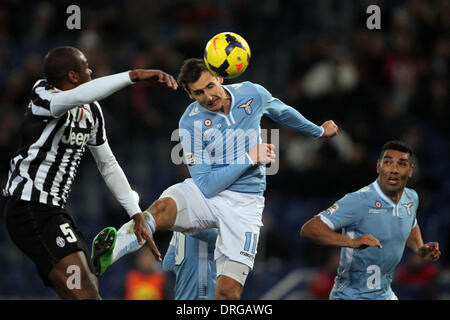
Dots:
pixel 208 91
pixel 394 169
pixel 84 73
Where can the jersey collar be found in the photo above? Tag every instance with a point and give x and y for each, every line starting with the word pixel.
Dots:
pixel 382 194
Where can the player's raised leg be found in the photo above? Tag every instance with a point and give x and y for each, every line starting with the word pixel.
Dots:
pixel 110 245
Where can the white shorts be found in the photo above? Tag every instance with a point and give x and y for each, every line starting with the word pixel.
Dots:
pixel 393 297
pixel 238 216
pixel 233 269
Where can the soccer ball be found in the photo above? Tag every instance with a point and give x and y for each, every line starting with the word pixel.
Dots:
pixel 227 55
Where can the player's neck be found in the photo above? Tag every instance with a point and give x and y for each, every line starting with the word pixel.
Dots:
pixel 226 107
pixel 393 195
pixel 226 102
pixel 66 86
pixel 396 197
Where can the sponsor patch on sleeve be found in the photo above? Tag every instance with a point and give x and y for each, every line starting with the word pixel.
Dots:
pixel 190 160
pixel 332 209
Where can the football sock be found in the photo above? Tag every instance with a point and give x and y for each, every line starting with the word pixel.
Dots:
pixel 126 241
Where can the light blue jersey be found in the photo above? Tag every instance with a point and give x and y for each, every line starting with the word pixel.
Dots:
pixel 191 258
pixel 368 273
pixel 215 144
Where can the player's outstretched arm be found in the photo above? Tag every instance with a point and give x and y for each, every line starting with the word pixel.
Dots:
pixel 153 76
pixel 317 231
pixel 103 87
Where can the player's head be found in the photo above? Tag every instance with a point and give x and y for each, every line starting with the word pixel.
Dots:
pixel 395 166
pixel 66 68
pixel 202 85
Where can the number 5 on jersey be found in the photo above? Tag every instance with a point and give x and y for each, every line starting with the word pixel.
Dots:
pixel 68 232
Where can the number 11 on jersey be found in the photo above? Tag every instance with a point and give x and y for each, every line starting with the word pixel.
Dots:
pixel 249 243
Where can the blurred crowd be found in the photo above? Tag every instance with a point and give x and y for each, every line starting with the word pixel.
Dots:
pixel 315 55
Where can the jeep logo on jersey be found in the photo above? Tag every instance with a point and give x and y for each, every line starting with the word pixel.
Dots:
pixel 247 106
pixel 74 136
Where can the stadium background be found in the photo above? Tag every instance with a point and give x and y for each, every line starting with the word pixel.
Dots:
pixel 317 56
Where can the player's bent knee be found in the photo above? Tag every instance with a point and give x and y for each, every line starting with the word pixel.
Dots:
pixel 228 288
pixel 164 212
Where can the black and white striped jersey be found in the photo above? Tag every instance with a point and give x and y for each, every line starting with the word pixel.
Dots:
pixel 44 167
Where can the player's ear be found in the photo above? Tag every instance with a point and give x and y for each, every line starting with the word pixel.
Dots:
pixel 220 80
pixel 73 77
pixel 411 170
pixel 189 93
pixel 378 166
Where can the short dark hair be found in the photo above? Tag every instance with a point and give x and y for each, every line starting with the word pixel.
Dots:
pixel 399 146
pixel 190 71
pixel 58 62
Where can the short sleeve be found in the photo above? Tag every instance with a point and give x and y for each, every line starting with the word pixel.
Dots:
pixel 41 95
pixel 347 211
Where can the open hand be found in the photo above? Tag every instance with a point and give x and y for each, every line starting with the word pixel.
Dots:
pixel 366 240
pixel 143 234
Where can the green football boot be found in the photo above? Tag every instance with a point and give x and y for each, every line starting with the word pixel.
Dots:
pixel 102 248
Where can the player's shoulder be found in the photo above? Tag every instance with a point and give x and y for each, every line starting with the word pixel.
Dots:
pixel 42 84
pixel 358 198
pixel 192 113
pixel 95 105
pixel 363 193
pixel 242 88
pixel 412 194
pixel 245 87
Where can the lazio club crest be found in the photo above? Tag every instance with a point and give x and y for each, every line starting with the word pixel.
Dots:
pixel 408 207
pixel 247 106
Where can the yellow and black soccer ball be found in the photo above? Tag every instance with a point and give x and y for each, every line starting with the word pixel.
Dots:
pixel 227 55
